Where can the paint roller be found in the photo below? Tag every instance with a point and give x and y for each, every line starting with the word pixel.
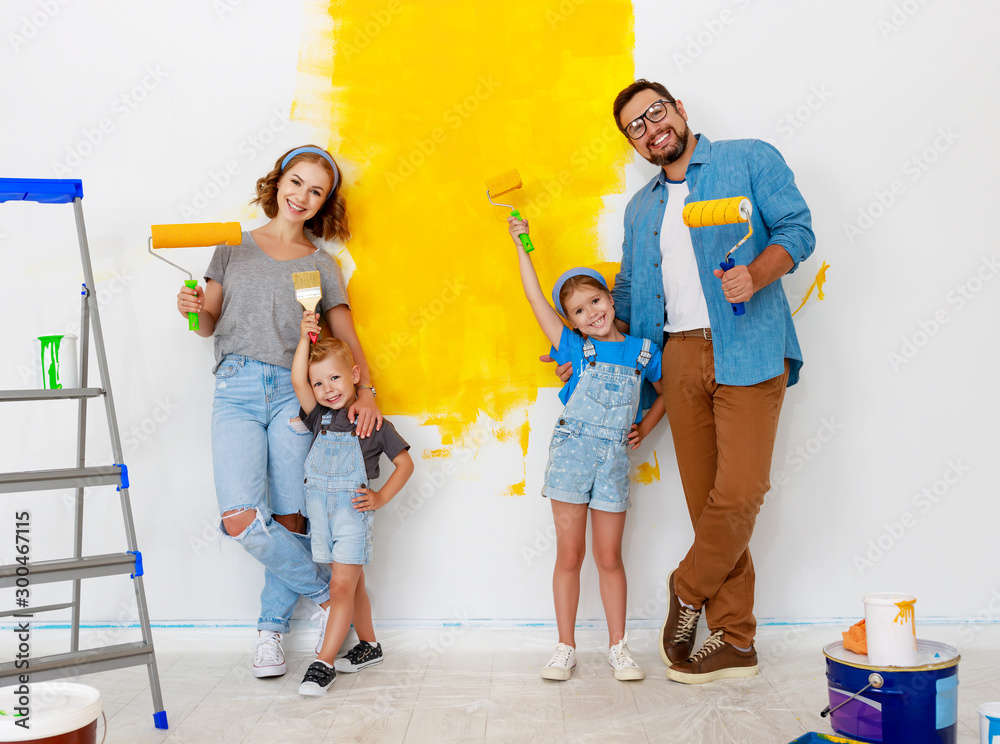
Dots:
pixel 501 185
pixel 193 236
pixel 722 212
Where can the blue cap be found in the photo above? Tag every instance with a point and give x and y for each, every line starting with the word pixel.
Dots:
pixel 577 271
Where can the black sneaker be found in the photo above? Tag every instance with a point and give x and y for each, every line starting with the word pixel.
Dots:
pixel 361 656
pixel 319 678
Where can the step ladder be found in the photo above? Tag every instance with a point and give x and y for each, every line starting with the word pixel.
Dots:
pixel 78 567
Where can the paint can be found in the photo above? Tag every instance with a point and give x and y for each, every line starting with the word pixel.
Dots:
pixel 57 713
pixel 57 355
pixel 894 705
pixel 989 723
pixel 891 629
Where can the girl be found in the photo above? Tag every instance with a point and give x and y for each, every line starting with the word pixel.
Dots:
pixel 259 445
pixel 588 459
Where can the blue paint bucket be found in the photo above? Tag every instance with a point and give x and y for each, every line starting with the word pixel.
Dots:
pixel 895 705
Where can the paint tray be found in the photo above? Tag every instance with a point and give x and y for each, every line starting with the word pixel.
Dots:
pixel 812 738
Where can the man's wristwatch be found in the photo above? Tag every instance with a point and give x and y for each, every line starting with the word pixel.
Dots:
pixel 369 387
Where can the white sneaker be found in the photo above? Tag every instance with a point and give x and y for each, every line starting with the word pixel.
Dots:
pixel 269 659
pixel 562 663
pixel 622 662
pixel 323 614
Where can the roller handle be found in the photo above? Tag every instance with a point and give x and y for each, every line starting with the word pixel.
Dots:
pixel 192 317
pixel 738 307
pixel 525 239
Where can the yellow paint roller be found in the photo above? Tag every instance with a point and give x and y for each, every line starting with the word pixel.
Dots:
pixel 722 212
pixel 501 185
pixel 193 236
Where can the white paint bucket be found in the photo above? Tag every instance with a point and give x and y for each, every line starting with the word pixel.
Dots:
pixel 989 723
pixel 891 629
pixel 57 355
pixel 57 713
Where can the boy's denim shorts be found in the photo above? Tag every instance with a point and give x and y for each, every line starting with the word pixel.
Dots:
pixel 339 532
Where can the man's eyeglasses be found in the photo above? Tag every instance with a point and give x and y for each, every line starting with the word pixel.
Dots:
pixel 637 127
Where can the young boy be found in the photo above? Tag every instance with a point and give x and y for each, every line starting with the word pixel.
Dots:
pixel 339 503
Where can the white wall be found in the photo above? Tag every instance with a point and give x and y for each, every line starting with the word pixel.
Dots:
pixel 863 98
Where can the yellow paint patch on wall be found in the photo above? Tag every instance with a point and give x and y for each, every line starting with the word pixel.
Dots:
pixel 430 454
pixel 817 285
pixel 647 472
pixel 425 101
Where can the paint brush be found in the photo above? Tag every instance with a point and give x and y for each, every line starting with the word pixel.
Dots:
pixel 308 292
pixel 501 185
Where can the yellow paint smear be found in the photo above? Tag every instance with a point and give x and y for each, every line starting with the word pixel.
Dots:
pixel 425 101
pixel 646 472
pixel 906 613
pixel 430 454
pixel 817 285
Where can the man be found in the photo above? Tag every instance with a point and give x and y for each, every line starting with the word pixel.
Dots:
pixel 724 375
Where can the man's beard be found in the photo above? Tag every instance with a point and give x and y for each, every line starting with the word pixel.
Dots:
pixel 670 155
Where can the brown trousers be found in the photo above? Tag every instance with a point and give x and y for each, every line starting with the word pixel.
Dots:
pixel 724 439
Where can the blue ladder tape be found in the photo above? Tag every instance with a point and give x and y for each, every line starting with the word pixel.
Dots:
pixel 160 719
pixel 124 483
pixel 138 563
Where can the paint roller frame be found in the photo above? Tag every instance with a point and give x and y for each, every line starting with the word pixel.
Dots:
pixel 508 181
pixel 194 235
pixel 730 211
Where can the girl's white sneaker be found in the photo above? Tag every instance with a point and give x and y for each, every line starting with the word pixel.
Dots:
pixel 562 663
pixel 626 668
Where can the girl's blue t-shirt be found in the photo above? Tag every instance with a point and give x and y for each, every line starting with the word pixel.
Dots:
pixel 624 353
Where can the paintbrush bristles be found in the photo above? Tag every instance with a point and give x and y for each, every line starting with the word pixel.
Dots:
pixel 503 183
pixel 308 290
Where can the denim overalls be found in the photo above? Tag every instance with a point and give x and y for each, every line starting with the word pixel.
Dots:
pixel 335 467
pixel 588 456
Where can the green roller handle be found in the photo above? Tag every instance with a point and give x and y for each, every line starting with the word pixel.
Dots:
pixel 192 317
pixel 525 239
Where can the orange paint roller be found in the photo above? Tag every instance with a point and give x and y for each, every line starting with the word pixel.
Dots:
pixel 501 185
pixel 193 236
pixel 722 212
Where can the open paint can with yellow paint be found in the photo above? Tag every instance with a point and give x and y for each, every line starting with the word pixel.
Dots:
pixel 58 362
pixel 891 629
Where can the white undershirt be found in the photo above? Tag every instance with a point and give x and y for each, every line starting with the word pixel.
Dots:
pixel 684 298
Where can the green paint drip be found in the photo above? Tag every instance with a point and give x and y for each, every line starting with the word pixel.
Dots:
pixel 50 372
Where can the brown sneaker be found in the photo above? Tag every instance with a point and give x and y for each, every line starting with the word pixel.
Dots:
pixel 679 627
pixel 714 660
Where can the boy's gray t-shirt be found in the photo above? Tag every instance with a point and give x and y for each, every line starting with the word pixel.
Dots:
pixel 260 317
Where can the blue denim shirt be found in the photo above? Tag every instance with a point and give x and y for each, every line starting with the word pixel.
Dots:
pixel 750 348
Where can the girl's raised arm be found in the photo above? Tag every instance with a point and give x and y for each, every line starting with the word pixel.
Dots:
pixel 546 315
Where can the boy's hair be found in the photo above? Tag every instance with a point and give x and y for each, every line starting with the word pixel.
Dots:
pixel 578 282
pixel 330 222
pixel 629 92
pixel 328 347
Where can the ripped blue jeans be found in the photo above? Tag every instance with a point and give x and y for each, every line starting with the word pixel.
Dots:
pixel 259 461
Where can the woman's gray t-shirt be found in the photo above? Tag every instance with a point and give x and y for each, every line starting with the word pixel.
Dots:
pixel 260 317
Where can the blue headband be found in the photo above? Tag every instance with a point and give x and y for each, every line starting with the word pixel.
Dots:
pixel 567 275
pixel 318 151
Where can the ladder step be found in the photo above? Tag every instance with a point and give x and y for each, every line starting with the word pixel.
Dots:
pixel 69 569
pixel 44 480
pixel 33 610
pixel 60 394
pixel 90 660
